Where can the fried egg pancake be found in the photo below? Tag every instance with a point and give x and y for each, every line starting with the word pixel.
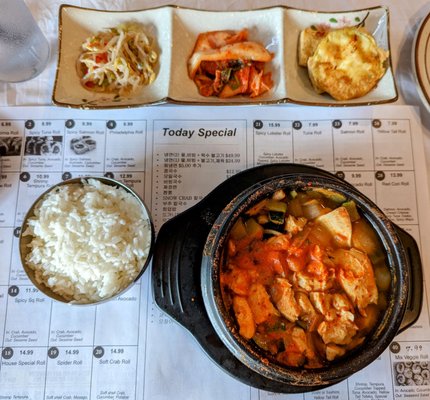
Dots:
pixel 309 40
pixel 347 63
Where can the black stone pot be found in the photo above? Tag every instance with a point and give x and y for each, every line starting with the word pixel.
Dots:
pixel 186 286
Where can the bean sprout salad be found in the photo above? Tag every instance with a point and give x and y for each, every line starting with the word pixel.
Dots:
pixel 118 60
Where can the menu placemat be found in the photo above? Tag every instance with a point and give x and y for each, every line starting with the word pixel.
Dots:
pixel 172 157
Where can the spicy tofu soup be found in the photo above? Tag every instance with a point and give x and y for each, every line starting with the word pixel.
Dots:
pixel 304 276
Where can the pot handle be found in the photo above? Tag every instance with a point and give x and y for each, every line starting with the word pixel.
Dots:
pixel 415 294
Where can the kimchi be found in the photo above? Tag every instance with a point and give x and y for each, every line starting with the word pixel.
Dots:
pixel 226 64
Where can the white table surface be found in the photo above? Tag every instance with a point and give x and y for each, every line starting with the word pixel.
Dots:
pixel 405 17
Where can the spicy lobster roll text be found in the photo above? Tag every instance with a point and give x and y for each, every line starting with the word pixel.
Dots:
pixel 305 276
pixel 226 64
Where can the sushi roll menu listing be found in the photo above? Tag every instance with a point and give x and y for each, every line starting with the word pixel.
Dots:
pixel 172 157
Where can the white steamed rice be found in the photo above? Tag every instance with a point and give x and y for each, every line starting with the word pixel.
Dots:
pixel 89 241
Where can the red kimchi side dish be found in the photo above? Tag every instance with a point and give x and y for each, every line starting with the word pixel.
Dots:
pixel 305 276
pixel 226 64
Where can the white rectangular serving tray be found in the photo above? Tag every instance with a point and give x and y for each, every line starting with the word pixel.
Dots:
pixel 175 31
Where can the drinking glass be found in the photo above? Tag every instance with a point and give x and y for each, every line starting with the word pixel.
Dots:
pixel 24 50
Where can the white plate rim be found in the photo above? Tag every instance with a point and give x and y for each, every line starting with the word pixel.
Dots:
pixel 419 45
